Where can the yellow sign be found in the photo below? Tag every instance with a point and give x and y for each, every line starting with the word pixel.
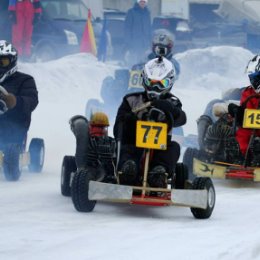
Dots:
pixel 151 135
pixel 135 80
pixel 208 170
pixel 251 118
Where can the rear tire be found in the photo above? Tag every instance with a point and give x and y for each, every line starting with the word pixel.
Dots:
pixel 79 190
pixel 68 167
pixel 11 163
pixel 181 176
pixel 188 156
pixel 37 154
pixel 201 183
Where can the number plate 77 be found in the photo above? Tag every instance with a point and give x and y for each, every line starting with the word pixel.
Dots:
pixel 151 135
pixel 251 118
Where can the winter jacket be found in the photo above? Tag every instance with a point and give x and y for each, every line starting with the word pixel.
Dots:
pixel 36 5
pixel 138 31
pixel 125 124
pixel 19 118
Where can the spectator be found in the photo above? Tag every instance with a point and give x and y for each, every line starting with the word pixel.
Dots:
pixel 23 15
pixel 5 25
pixel 138 32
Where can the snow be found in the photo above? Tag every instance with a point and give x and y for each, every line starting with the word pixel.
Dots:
pixel 37 222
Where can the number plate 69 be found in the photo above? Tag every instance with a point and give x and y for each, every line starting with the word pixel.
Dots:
pixel 251 118
pixel 151 135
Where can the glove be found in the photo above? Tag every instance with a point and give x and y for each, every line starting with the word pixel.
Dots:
pixel 238 111
pixel 234 109
pixel 157 115
pixel 12 16
pixel 167 107
pixel 8 98
pixel 36 18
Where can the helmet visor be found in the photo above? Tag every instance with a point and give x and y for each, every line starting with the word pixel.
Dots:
pixel 4 62
pixel 158 85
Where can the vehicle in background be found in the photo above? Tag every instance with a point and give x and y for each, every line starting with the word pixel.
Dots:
pixel 61 28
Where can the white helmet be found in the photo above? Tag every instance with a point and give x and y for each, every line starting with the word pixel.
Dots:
pixel 158 77
pixel 253 72
pixel 8 60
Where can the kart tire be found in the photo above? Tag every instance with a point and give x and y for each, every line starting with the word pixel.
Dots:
pixel 11 162
pixel 79 190
pixel 67 168
pixel 204 183
pixel 188 156
pixel 181 176
pixel 37 154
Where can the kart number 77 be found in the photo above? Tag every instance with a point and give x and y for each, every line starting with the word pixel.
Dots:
pixel 152 135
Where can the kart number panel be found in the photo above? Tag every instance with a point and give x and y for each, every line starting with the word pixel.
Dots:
pixel 152 135
pixel 251 118
pixel 135 80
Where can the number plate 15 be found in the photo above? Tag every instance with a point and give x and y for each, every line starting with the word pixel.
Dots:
pixel 251 118
pixel 151 135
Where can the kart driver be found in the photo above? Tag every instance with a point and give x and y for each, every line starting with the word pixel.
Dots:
pixel 158 77
pixel 242 134
pixel 18 98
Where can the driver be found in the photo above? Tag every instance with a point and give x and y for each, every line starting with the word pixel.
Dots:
pixel 242 134
pixel 18 98
pixel 158 77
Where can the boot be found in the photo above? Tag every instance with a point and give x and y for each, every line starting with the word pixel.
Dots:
pixel 157 177
pixel 129 173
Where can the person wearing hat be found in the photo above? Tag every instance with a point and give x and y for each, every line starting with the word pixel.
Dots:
pixel 138 32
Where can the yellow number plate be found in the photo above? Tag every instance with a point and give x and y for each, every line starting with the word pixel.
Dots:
pixel 135 80
pixel 251 118
pixel 151 135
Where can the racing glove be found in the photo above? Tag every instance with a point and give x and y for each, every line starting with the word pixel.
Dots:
pixel 8 98
pixel 12 16
pixel 167 107
pixel 236 111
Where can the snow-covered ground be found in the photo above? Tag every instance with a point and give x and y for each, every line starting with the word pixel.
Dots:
pixel 37 222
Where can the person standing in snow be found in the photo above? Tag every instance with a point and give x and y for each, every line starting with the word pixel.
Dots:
pixel 18 98
pixel 23 15
pixel 138 32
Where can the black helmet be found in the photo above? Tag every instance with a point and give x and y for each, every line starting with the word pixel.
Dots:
pixel 162 43
pixel 8 60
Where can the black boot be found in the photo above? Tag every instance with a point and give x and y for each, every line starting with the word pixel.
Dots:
pixel 157 177
pixel 128 173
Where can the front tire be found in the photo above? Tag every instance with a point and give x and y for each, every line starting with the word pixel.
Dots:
pixel 188 156
pixel 181 176
pixel 68 167
pixel 79 190
pixel 201 183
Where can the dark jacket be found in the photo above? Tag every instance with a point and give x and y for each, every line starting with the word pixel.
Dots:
pixel 19 118
pixel 138 30
pixel 125 124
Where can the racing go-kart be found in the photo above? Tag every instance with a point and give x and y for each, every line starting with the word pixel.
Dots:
pixel 102 183
pixel 219 155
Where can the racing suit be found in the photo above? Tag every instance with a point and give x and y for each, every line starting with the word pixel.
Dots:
pixel 24 13
pixel 125 129
pixel 243 134
pixel 16 121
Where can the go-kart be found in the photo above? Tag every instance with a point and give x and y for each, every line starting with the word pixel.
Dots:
pixel 220 156
pixel 94 184
pixel 14 158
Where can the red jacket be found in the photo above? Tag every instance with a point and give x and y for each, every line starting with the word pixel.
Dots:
pixel 243 134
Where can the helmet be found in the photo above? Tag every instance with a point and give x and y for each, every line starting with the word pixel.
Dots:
pixel 158 77
pixel 98 124
pixel 8 60
pixel 162 42
pixel 253 72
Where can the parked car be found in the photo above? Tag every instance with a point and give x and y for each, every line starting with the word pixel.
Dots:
pixel 61 28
